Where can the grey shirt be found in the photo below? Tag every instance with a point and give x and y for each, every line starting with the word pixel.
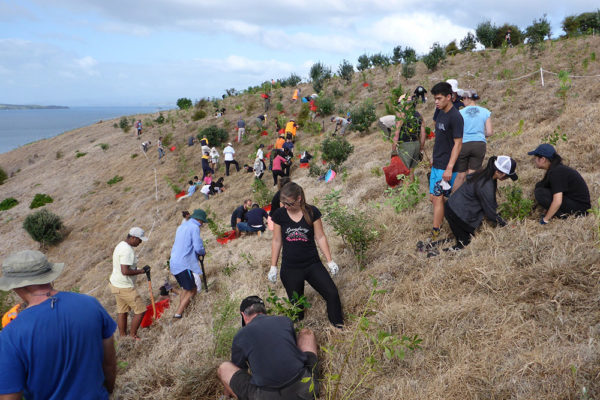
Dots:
pixel 472 201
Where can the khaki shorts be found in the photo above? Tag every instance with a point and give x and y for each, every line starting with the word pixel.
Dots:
pixel 127 299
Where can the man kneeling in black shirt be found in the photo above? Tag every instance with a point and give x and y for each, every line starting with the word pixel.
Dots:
pixel 279 364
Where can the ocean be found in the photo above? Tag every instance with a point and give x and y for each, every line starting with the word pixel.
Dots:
pixel 19 127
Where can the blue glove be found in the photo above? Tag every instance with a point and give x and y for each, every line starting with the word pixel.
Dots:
pixel 542 222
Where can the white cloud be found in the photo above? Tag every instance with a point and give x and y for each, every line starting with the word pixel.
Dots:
pixel 87 64
pixel 419 31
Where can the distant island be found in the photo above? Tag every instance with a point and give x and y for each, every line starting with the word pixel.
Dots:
pixel 29 107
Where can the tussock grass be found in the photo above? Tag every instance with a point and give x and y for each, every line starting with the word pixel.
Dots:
pixel 511 316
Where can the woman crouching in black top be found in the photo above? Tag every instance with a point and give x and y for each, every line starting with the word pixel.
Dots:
pixel 298 228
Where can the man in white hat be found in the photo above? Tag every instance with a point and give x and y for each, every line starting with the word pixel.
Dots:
pixel 59 347
pixel 122 285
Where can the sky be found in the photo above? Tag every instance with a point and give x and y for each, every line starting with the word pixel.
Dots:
pixel 152 52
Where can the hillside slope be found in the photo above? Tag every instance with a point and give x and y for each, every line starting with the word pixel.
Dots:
pixel 514 315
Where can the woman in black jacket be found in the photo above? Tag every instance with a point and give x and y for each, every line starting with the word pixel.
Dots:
pixel 476 198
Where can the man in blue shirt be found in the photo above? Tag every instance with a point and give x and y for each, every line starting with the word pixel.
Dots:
pixel 59 347
pixel 186 249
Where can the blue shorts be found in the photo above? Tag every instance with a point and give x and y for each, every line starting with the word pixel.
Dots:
pixel 436 176
pixel 186 280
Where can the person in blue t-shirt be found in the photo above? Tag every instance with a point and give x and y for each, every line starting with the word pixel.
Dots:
pixel 477 126
pixel 448 142
pixel 61 346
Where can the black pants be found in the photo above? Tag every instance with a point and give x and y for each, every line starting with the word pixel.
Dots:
pixel 275 175
pixel 544 198
pixel 227 163
pixel 461 230
pixel 317 276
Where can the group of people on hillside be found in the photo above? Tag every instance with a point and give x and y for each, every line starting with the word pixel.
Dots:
pixel 461 189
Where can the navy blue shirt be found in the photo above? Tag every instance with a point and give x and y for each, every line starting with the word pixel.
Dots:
pixel 268 346
pixel 448 126
pixel 255 216
pixel 240 213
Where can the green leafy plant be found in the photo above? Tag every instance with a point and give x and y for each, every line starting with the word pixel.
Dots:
pixel 39 200
pixel 380 60
pixel 346 71
pixel 452 48
pixel 468 43
pixel 516 206
pixel 434 57
pixel 279 106
pixel 3 176
pixel 377 171
pixel 59 155
pixel 167 139
pixel 352 226
pixel 325 105
pixel 404 196
pixel 215 135
pixel 372 343
pixel 174 187
pixel 408 70
pixel 486 33
pixel 213 224
pixel 319 74
pixel 103 146
pixel 79 154
pixel 8 203
pixel 225 325
pixel 303 115
pixel 44 227
pixel 134 155
pixel 565 84
pixel 556 136
pixel 335 150
pixel 114 179
pixel 315 170
pixel 314 128
pixel 160 119
pixel 537 32
pixel 290 308
pixel 364 62
pixel 124 124
pixel 363 116
pixel 262 194
pixel 184 103
pixel 198 115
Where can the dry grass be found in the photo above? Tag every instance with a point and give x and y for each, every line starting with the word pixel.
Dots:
pixel 508 317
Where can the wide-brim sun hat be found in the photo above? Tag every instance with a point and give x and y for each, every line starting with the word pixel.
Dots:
pixel 199 214
pixel 28 267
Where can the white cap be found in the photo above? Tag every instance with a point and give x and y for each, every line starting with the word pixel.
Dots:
pixel 138 233
pixel 454 84
pixel 507 165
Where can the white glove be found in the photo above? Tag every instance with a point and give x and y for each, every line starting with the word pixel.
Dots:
pixel 333 267
pixel 272 276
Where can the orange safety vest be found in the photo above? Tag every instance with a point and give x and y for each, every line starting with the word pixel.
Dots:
pixel 291 128
pixel 279 143
pixel 10 315
pixel 295 96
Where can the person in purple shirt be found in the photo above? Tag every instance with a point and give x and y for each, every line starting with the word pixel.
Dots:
pixel 188 246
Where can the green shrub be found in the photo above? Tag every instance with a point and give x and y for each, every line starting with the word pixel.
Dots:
pixel 167 139
pixel 515 206
pixel 303 115
pixel 314 128
pixel 8 203
pixel 3 176
pixel 198 115
pixel 262 194
pixel 404 197
pixel 319 74
pixel 225 323
pixel 79 154
pixel 468 43
pixel 104 146
pixel 364 62
pixel 325 105
pixel 213 224
pixel 556 136
pixel 215 135
pixel 335 150
pixel 397 55
pixel 435 56
pixel 291 81
pixel 409 69
pixel 174 187
pixel 184 103
pixel 39 200
pixel 279 106
pixel 363 116
pixel 124 124
pixel 44 227
pixel 134 155
pixel 354 227
pixel 114 179
pixel 486 33
pixel 451 48
pixel 537 32
pixel 380 60
pixel 409 55
pixel 346 71
pixel 59 155
pixel 160 119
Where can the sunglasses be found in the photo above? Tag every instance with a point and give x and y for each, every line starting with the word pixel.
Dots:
pixel 288 204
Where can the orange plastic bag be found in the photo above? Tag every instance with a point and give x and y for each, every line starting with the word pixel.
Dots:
pixel 161 306
pixel 392 171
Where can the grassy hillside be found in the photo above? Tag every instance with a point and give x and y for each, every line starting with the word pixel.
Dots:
pixel 514 315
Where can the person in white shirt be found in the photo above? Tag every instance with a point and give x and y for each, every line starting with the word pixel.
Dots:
pixel 228 155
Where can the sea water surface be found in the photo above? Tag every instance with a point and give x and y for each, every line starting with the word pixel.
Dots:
pixel 19 127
